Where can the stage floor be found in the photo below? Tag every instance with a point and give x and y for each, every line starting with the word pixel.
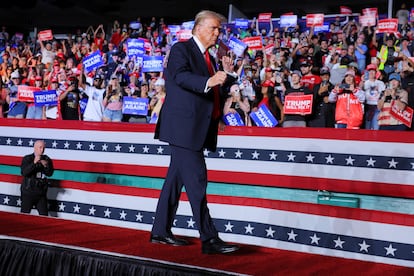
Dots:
pixel 133 244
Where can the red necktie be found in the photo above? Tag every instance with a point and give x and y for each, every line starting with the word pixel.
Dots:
pixel 216 109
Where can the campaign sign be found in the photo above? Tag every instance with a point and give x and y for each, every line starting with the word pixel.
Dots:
pixel 135 25
pixel 298 104
pixel 93 61
pixel 371 11
pixel 264 17
pixel 135 47
pixel 269 49
pixel 174 29
pixel 254 42
pixel 25 93
pixel 233 119
pixel 263 117
pixel 152 64
pixel 153 119
pixel 241 23
pixel 345 10
pixel 237 46
pixel 188 25
pixel 323 29
pixel 288 20
pixel 135 106
pixel 82 105
pixel 367 20
pixel 184 35
pixel 314 19
pixel 389 25
pixel 46 97
pixel 405 116
pixel 45 35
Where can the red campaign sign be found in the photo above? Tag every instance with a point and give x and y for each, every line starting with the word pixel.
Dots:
pixel 345 10
pixel 314 20
pixel 405 116
pixel 254 42
pixel 301 105
pixel 389 25
pixel 25 93
pixel 147 45
pixel 45 35
pixel 367 20
pixel 370 11
pixel 265 17
pixel 269 49
pixel 184 35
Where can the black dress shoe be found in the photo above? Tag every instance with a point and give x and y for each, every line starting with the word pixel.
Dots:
pixel 170 240
pixel 217 246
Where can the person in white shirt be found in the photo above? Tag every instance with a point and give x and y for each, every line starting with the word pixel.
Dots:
pixel 373 89
pixel 94 108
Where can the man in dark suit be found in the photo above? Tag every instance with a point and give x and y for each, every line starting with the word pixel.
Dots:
pixel 189 121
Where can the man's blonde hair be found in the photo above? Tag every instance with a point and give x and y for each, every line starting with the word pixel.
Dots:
pixel 204 14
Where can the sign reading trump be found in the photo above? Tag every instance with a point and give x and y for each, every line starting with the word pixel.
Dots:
pixel 152 64
pixel 47 97
pixel 298 104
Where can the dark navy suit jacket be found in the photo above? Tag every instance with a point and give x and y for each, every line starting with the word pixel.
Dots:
pixel 186 116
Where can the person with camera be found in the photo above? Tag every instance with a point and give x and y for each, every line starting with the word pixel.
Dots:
pixel 35 168
pixel 113 101
pixel 237 103
pixel 393 95
pixel 349 112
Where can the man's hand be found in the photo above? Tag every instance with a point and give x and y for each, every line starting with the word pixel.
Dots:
pixel 217 79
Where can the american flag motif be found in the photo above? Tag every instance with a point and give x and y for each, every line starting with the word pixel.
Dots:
pixel 368 163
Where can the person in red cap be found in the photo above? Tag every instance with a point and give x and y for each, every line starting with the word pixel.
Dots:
pixel 373 89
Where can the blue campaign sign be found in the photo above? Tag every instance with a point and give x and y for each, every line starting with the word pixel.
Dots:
pixel 241 23
pixel 288 20
pixel 152 64
pixel 188 25
pixel 45 97
pixel 263 117
pixel 135 106
pixel 135 47
pixel 174 29
pixel 237 46
pixel 93 61
pixel 154 119
pixel 233 119
pixel 82 105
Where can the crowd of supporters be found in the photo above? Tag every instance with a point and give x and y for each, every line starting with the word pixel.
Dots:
pixel 358 78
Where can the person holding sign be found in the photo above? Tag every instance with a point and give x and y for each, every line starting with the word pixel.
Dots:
pixel 297 107
pixel 189 121
pixel 393 95
pixel 17 109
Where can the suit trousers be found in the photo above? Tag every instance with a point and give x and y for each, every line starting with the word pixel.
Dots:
pixel 37 201
pixel 187 168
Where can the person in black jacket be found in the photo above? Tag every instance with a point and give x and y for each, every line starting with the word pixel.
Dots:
pixel 35 169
